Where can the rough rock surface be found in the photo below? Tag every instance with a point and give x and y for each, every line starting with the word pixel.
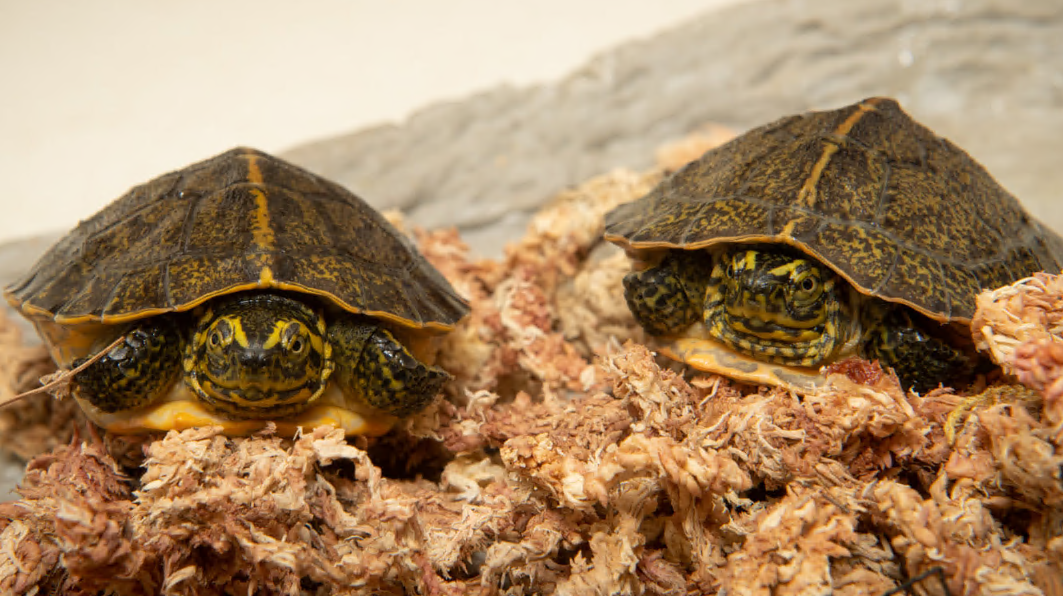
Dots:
pixel 987 74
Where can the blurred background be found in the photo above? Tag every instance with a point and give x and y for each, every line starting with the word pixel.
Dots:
pixel 473 113
pixel 99 96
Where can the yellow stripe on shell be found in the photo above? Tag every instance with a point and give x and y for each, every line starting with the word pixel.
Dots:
pixel 806 197
pixel 265 278
pixel 261 229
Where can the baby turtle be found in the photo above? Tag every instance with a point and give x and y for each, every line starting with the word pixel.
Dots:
pixel 245 290
pixel 824 235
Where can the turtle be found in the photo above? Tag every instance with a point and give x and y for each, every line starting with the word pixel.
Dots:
pixel 821 236
pixel 241 291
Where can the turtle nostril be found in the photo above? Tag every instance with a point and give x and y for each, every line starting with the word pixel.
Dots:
pixel 254 361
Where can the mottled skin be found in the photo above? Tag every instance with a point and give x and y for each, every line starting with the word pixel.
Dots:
pixel 909 225
pixel 670 296
pixel 145 365
pixel 777 305
pixel 380 369
pixel 261 355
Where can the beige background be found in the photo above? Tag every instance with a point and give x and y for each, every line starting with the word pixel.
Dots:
pixel 102 95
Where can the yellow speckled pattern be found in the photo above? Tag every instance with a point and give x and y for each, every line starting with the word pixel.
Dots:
pixel 899 212
pixel 241 220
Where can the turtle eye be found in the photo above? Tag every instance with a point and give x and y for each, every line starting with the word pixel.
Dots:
pixel 296 339
pixel 220 335
pixel 732 269
pixel 807 287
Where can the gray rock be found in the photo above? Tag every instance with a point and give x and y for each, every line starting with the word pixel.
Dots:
pixel 988 74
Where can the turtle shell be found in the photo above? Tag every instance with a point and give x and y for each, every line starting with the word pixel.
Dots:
pixel 241 220
pixel 902 214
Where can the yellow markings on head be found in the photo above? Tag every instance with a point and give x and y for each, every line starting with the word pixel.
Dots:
pixel 319 345
pixel 276 335
pixel 234 395
pixel 283 334
pixel 779 314
pixel 788 268
pixel 238 331
pixel 795 330
pixel 748 261
pixel 261 230
pixel 806 197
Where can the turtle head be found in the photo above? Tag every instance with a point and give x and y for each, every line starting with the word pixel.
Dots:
pixel 776 304
pixel 258 356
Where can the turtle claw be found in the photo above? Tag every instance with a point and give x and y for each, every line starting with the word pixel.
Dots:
pixel 375 368
pixel 920 360
pixel 139 369
pixel 669 297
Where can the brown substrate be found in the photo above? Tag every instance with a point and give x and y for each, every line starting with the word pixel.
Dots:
pixel 567 459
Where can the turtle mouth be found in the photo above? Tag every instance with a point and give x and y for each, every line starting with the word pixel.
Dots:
pixel 255 401
pixel 771 342
pixel 768 326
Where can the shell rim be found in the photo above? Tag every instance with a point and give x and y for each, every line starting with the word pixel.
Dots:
pixel 30 311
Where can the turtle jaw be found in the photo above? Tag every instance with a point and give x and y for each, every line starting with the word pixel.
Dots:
pixel 254 402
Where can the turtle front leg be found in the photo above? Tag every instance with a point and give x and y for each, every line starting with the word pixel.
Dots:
pixel 670 296
pixel 920 360
pixel 143 367
pixel 374 367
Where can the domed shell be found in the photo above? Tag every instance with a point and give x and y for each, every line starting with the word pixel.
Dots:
pixel 241 220
pixel 901 213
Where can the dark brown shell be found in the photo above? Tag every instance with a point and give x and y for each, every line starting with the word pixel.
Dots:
pixel 901 213
pixel 241 220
